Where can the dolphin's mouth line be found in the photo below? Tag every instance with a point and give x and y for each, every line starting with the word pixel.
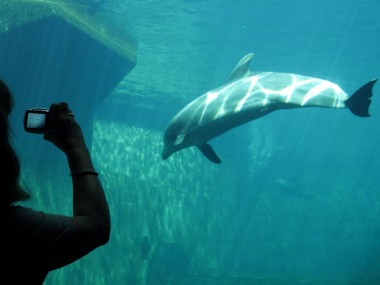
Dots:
pixel 165 154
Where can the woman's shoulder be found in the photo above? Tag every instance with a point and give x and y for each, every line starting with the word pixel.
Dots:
pixel 18 210
pixel 24 221
pixel 16 215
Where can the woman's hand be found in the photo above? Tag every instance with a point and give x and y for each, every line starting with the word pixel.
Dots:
pixel 65 132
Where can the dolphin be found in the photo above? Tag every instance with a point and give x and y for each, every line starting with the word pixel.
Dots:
pixel 247 96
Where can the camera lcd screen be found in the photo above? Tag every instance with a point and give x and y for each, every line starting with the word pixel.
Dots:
pixel 35 121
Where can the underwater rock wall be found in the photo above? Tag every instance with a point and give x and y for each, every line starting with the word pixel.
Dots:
pixel 166 214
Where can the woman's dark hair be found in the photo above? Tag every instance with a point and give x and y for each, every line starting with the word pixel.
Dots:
pixel 10 188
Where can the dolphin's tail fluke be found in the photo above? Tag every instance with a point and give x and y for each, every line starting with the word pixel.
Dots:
pixel 359 102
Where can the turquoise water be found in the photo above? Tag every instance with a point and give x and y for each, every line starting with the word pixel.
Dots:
pixel 296 199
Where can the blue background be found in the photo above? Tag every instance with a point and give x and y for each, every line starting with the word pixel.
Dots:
pixel 296 199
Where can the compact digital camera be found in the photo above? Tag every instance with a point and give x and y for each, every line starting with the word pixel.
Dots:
pixel 36 120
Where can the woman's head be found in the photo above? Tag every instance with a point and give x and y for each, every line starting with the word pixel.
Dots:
pixel 10 189
pixel 6 103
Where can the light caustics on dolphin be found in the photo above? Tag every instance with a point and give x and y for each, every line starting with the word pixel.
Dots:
pixel 247 96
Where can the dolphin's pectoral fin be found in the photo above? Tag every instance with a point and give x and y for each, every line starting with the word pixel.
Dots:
pixel 208 152
pixel 359 102
pixel 241 69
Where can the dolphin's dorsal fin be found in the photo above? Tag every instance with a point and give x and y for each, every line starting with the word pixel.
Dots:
pixel 208 152
pixel 241 69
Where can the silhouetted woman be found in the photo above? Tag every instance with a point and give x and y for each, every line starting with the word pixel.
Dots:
pixel 32 242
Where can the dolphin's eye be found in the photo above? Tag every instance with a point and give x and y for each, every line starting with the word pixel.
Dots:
pixel 171 137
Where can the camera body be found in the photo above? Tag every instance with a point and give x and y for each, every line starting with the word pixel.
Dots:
pixel 35 120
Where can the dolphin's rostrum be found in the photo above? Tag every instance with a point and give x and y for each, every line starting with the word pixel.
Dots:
pixel 247 96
